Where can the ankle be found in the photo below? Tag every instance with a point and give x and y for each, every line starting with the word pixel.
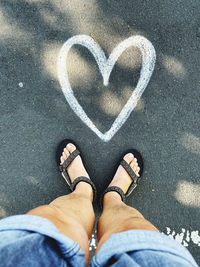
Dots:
pixel 85 190
pixel 112 199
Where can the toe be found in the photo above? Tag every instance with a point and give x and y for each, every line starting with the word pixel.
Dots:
pixel 132 161
pixel 66 152
pixel 71 147
pixel 62 159
pixel 128 158
pixel 65 155
pixel 134 166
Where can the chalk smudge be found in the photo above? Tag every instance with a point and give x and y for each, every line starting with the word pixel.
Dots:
pixel 185 236
pixel 92 243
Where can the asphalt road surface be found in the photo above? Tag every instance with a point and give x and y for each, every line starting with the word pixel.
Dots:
pixel 164 127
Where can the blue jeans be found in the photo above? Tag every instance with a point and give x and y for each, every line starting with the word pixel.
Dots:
pixel 27 240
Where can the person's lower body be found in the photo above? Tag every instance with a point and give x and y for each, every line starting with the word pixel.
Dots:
pixel 73 214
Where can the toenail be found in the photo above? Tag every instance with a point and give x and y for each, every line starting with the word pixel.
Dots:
pixel 130 155
pixel 69 146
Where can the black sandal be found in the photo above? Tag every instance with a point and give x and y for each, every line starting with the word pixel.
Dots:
pixel 67 162
pixel 131 173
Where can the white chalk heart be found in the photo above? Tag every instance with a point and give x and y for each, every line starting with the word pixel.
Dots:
pixel 106 66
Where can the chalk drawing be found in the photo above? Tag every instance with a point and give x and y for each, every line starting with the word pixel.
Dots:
pixel 105 67
pixel 185 237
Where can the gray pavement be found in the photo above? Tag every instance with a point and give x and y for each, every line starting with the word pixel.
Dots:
pixel 164 127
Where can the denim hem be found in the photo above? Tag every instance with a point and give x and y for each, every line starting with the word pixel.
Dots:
pixel 32 223
pixel 140 240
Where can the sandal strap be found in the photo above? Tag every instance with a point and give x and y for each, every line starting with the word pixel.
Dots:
pixel 115 189
pixel 69 160
pixel 65 172
pixel 66 163
pixel 72 185
pixel 133 176
pixel 86 180
pixel 129 170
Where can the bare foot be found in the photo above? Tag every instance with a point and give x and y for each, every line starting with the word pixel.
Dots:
pixel 76 168
pixel 122 178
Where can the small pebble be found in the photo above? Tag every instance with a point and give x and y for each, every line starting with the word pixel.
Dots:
pixel 21 84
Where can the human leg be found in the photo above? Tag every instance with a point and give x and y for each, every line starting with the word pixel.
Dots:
pixel 72 214
pixel 117 216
